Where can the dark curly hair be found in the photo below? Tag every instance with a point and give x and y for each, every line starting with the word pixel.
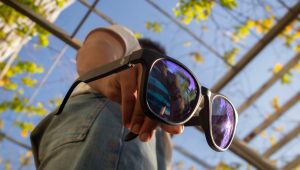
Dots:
pixel 152 45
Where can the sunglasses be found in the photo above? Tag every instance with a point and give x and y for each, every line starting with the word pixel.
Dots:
pixel 171 94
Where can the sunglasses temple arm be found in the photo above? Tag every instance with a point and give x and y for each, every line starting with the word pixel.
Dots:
pixel 108 69
pixel 100 72
pixel 67 96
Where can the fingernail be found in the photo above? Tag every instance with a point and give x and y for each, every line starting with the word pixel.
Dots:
pixel 136 128
pixel 144 136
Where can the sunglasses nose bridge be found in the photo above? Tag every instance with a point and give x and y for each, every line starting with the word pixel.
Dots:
pixel 200 107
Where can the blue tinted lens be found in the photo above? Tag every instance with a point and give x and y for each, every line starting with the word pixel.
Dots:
pixel 223 121
pixel 171 91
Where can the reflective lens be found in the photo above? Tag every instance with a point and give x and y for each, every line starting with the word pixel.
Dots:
pixel 223 121
pixel 171 91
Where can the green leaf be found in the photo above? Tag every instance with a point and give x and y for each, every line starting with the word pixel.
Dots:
pixel 223 166
pixel 55 102
pixel 28 81
pixel 3 107
pixel 189 10
pixel 153 26
pixel 286 78
pixel 10 86
pixel 27 126
pixel 244 31
pixel 7 165
pixel 229 56
pixel 275 103
pixel 2 34
pixel 230 4
pixel 197 57
pixel 60 3
pixel 137 35
pixel 43 40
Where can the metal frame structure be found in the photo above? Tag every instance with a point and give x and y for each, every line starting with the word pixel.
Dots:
pixel 284 140
pixel 268 121
pixel 239 147
pixel 263 88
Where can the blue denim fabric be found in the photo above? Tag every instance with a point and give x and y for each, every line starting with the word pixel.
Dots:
pixel 89 135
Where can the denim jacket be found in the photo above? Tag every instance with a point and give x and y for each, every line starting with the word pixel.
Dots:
pixel 89 135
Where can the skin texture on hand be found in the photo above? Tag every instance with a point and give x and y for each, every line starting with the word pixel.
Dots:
pixel 102 47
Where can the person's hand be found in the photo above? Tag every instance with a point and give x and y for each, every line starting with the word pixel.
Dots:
pixel 122 87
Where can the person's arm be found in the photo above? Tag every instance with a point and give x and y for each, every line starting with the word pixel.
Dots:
pixel 101 47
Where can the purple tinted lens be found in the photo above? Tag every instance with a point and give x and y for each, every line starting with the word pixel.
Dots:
pixel 171 91
pixel 223 121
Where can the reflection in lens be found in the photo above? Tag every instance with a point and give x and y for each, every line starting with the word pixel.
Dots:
pixel 171 91
pixel 223 121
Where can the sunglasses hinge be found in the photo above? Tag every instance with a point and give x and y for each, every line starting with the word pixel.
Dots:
pixel 131 65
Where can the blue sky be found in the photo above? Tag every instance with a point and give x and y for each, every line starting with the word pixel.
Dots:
pixel 134 14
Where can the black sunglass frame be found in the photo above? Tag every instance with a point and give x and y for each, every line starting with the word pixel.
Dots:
pixel 198 117
pixel 206 114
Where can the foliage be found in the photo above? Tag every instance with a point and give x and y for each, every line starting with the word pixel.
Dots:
pixel 7 165
pixel 259 25
pixel 285 78
pixel 153 26
pixel 25 127
pixel 19 104
pixel 10 16
pixel 55 102
pixel 19 68
pixel 137 35
pixel 197 57
pixel 187 10
pixel 230 55
pixel 22 73
pixel 25 158
pixel 223 166
pixel 289 35
pixel 275 103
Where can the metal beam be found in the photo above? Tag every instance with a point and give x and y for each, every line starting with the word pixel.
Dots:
pixel 293 164
pixel 238 147
pixel 284 140
pixel 268 83
pixel 61 54
pixel 53 29
pixel 268 121
pixel 258 47
pixel 241 149
pixel 13 140
pixel 192 157
pixel 98 12
pixel 244 151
